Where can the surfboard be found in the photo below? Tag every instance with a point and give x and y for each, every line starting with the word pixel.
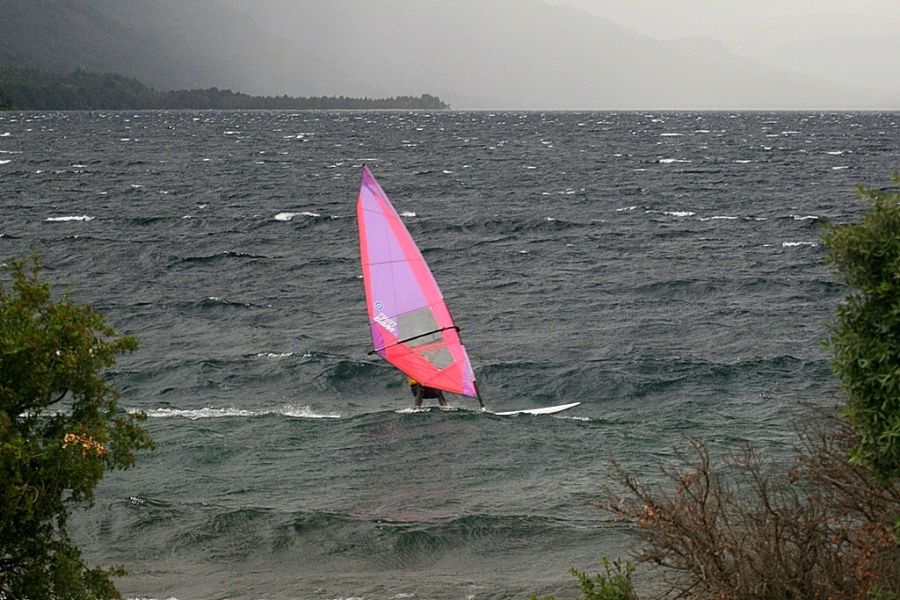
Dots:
pixel 546 410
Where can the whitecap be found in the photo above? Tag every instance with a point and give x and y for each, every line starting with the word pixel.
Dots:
pixel 804 218
pixel 841 168
pixel 795 244
pixel 835 153
pixel 274 354
pixel 743 162
pixel 302 412
pixel 407 213
pixel 67 219
pixel 626 208
pixel 446 172
pixel 668 161
pixel 679 213
pixel 285 216
pixel 198 413
pixel 286 410
pixel 671 134
pixel 5 162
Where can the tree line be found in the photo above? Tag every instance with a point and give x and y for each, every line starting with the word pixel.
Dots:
pixel 29 89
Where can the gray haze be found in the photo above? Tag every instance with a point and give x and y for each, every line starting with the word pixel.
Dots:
pixel 517 54
pixel 855 42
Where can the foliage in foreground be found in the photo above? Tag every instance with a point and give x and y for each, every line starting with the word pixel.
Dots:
pixel 614 583
pixel 866 333
pixel 60 430
pixel 742 529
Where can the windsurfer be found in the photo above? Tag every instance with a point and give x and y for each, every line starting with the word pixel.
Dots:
pixel 421 392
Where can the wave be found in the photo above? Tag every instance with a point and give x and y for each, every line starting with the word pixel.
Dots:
pixel 287 410
pixel 68 219
pixel 216 301
pixel 289 216
pixel 227 254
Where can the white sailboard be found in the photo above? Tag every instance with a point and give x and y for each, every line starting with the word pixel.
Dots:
pixel 546 410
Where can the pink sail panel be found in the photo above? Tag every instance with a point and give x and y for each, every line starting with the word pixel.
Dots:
pixel 411 326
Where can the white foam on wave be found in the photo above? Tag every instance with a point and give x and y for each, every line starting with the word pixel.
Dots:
pixel 671 134
pixel 795 244
pixel 678 213
pixel 408 214
pixel 804 217
pixel 7 134
pixel 286 410
pixel 276 355
pixel 719 218
pixel 669 161
pixel 287 216
pixel 5 162
pixel 68 219
pixel 626 208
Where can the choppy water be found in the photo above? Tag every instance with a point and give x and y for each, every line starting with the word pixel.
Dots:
pixel 663 269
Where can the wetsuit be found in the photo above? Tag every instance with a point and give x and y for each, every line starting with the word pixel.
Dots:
pixel 421 392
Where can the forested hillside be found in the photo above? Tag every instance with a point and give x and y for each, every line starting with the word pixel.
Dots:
pixel 30 89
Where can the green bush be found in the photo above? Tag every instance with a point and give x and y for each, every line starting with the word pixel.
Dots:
pixel 614 583
pixel 60 430
pixel 865 336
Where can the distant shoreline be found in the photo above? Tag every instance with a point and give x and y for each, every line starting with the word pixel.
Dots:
pixel 31 89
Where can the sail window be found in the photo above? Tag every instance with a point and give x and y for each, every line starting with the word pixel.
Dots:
pixel 439 357
pixel 415 323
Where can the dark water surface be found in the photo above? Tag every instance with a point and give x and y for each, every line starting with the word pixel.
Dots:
pixel 663 269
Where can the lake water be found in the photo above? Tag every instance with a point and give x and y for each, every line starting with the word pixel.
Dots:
pixel 663 269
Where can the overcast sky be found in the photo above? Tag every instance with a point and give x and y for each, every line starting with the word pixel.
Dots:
pixel 531 54
pixel 745 21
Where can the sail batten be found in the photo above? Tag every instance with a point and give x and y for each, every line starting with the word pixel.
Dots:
pixel 410 323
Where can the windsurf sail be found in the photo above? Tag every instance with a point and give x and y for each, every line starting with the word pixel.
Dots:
pixel 411 325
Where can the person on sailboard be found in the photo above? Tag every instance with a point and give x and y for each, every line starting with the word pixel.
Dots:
pixel 421 392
